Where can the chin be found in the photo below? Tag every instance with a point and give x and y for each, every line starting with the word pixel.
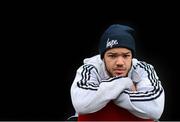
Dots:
pixel 121 75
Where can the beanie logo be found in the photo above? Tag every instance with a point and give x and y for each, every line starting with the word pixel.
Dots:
pixel 111 43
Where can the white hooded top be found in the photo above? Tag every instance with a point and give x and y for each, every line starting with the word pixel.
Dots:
pixel 92 89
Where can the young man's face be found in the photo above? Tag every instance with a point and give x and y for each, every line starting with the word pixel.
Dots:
pixel 118 61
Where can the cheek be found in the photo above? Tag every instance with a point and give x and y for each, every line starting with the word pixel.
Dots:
pixel 128 64
pixel 108 64
pixel 109 69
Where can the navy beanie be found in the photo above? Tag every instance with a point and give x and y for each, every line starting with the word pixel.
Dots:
pixel 117 36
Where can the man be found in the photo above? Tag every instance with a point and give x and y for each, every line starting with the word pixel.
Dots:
pixel 114 85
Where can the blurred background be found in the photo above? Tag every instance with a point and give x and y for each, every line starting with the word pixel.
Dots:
pixel 44 44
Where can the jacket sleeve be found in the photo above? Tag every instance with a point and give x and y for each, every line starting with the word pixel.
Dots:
pixel 148 101
pixel 89 93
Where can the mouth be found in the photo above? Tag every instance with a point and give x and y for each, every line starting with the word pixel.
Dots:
pixel 119 72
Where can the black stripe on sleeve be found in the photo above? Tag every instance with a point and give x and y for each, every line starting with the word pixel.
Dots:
pixel 148 95
pixel 85 82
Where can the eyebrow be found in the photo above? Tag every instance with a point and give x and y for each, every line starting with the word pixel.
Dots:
pixel 117 53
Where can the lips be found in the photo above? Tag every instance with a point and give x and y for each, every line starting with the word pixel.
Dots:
pixel 119 71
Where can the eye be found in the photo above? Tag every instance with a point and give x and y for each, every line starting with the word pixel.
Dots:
pixel 126 56
pixel 112 56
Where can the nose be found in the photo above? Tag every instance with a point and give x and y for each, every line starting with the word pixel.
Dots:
pixel 120 61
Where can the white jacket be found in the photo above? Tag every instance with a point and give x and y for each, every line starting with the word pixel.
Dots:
pixel 92 89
